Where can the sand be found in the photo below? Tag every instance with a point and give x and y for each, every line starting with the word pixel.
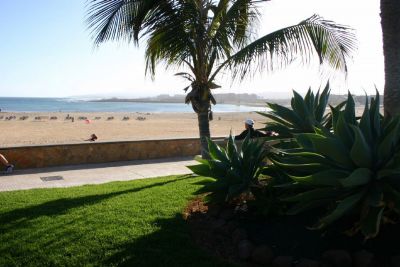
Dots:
pixel 53 128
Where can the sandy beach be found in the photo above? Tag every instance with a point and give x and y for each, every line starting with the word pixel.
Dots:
pixel 54 128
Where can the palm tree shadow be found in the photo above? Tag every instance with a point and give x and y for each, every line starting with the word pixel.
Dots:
pixel 18 217
pixel 172 245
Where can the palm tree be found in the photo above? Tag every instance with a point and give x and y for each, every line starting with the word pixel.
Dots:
pixel 205 37
pixel 390 13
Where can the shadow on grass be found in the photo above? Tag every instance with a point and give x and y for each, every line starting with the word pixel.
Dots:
pixel 97 165
pixel 17 217
pixel 87 240
pixel 172 245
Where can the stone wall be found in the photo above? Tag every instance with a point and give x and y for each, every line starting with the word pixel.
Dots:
pixel 25 157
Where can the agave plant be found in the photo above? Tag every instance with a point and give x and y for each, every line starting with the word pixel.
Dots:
pixel 306 113
pixel 354 169
pixel 236 170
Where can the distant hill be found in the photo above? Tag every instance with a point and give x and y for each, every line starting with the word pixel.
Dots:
pixel 230 98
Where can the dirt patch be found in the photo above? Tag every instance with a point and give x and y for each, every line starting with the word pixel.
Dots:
pixel 229 233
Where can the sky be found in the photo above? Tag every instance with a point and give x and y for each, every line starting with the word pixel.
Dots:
pixel 46 50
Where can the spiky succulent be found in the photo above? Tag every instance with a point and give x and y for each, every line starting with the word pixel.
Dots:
pixel 305 114
pixel 236 170
pixel 354 169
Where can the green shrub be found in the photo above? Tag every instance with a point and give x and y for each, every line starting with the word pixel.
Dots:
pixel 306 113
pixel 236 170
pixel 352 170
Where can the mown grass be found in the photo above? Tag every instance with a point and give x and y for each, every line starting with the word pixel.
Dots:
pixel 137 223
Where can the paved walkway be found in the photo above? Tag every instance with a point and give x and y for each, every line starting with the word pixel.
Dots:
pixel 93 173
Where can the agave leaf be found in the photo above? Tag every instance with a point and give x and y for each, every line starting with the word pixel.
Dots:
pixel 305 141
pixel 286 114
pixel 388 173
pixel 360 176
pixel 335 111
pixel 365 123
pixel 327 121
pixel 304 157
pixel 386 146
pixel 276 119
pixel 307 205
pixel 393 195
pixel 201 160
pixel 389 125
pixel 308 167
pixel 284 131
pixel 314 195
pixel 218 168
pixel 282 143
pixel 234 176
pixel 322 130
pixel 341 209
pixel 360 152
pixel 323 101
pixel 343 131
pixel 307 98
pixel 349 111
pixel 316 99
pixel 332 148
pixel 231 149
pixel 201 169
pixel 371 223
pixel 375 116
pixel 245 143
pixel 301 109
pixel 375 196
pixel 324 178
pixel 216 152
pixel 394 162
pixel 294 160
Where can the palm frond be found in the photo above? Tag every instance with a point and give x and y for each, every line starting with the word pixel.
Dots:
pixel 124 19
pixel 171 40
pixel 333 43
pixel 232 27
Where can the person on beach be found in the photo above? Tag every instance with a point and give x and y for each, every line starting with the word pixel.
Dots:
pixel 92 138
pixel 248 124
pixel 4 161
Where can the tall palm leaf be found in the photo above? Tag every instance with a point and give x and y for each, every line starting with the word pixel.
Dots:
pixel 206 36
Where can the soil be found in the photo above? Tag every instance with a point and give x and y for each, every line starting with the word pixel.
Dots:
pixel 285 235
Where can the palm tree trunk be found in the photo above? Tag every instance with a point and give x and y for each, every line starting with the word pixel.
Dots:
pixel 390 22
pixel 204 130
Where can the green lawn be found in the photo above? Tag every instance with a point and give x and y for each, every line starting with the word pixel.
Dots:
pixel 137 223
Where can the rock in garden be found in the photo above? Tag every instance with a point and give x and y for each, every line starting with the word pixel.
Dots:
pixel 363 258
pixel 282 261
pixel 262 255
pixel 245 249
pixel 238 235
pixel 307 263
pixel 336 258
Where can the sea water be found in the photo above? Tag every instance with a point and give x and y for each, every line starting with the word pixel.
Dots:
pixel 25 104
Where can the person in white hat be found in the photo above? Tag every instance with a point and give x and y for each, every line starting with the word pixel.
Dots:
pixel 249 124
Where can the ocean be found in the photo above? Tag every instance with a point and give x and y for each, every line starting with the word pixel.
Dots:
pixel 25 104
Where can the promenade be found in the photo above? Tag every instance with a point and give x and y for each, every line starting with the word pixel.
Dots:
pixel 77 175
